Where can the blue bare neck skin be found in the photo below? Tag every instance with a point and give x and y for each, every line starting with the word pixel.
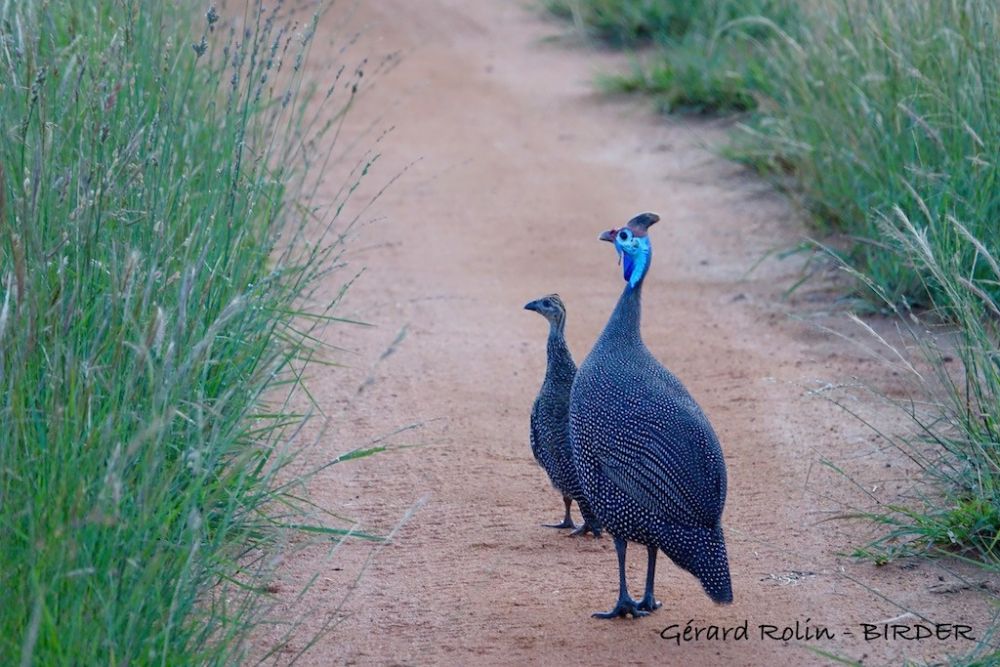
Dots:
pixel 560 362
pixel 622 328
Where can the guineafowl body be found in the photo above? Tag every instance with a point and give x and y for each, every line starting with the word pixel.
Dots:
pixel 648 459
pixel 550 416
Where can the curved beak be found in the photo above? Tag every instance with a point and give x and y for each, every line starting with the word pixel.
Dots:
pixel 532 305
pixel 608 235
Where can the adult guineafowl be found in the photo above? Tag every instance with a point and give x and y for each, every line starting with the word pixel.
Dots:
pixel 649 462
pixel 550 417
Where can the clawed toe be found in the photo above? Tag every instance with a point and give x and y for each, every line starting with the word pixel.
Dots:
pixel 649 603
pixel 564 524
pixel 586 528
pixel 624 608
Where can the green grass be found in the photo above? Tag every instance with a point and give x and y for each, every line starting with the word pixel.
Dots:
pixel 626 22
pixel 706 60
pixel 956 435
pixel 875 105
pixel 151 253
pixel 692 81
pixel 952 508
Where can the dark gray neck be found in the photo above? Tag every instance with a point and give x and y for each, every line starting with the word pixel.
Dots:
pixel 623 326
pixel 560 364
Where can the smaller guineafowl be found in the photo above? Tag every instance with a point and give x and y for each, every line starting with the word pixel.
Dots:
pixel 550 418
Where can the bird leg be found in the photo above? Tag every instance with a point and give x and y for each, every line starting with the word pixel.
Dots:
pixel 648 602
pixel 625 605
pixel 568 520
pixel 590 522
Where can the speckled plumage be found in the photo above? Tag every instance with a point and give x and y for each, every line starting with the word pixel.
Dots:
pixel 648 459
pixel 550 415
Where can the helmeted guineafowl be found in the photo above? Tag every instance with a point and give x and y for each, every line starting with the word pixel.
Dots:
pixel 648 459
pixel 550 417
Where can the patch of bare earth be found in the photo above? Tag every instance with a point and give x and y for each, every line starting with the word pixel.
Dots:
pixel 520 166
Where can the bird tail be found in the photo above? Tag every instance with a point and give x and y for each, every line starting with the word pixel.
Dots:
pixel 702 552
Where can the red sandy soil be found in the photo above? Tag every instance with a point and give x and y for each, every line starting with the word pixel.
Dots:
pixel 517 165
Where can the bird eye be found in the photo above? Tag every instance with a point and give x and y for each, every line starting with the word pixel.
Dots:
pixel 623 235
pixel 547 303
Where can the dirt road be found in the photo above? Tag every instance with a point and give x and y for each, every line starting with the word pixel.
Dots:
pixel 520 166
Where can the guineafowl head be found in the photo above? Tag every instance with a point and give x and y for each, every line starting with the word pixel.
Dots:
pixel 633 247
pixel 551 308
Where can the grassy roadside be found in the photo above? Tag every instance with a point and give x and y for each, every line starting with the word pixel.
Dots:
pixel 884 119
pixel 696 57
pixel 152 243
pixel 957 445
pixel 873 106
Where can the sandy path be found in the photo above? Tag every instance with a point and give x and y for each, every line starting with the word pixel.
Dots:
pixel 521 165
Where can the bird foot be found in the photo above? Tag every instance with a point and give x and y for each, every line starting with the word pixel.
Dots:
pixel 625 606
pixel 567 523
pixel 586 528
pixel 649 603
